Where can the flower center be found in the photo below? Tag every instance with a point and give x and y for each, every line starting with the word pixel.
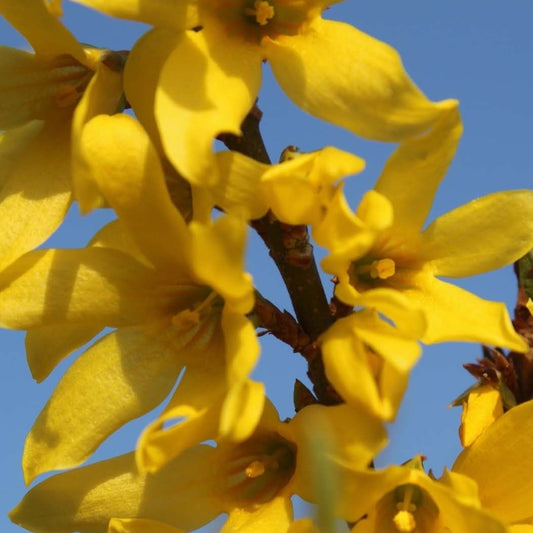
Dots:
pixel 191 317
pixel 404 520
pixel 257 469
pixel 263 11
pixel 378 269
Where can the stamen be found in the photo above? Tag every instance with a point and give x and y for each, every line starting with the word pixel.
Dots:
pixel 255 469
pixel 378 269
pixel 188 318
pixel 404 520
pixel 263 11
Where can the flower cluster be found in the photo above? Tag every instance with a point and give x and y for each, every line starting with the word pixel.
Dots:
pixel 166 311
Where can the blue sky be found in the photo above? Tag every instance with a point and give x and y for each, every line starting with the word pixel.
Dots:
pixel 482 57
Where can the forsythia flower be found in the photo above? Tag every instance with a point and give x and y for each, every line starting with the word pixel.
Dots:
pixel 178 298
pixel 38 95
pixel 252 480
pixel 201 73
pixel 382 244
pixel 251 188
pixel 403 499
pixel 366 359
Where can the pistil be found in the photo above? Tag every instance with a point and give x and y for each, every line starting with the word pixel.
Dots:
pixel 263 12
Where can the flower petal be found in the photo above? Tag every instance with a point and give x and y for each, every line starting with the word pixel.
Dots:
pixel 48 345
pixel 207 86
pixel 121 160
pixel 88 286
pixel 239 189
pixel 500 461
pixel 103 95
pixel 161 13
pixel 217 260
pixel 85 499
pixel 260 518
pixel 124 375
pixel 310 178
pixel 454 314
pixel 35 179
pixel 47 36
pixel 413 173
pixel 475 237
pixel 364 88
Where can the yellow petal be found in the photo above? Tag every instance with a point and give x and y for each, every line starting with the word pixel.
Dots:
pixel 474 238
pixel 500 461
pixel 415 170
pixel 343 76
pixel 207 86
pixel 121 160
pixel 242 410
pixel 85 499
pixel 454 314
pixel 121 377
pixel 48 345
pixel 35 194
pixel 310 178
pixel 191 415
pixel 239 189
pixel 159 13
pixel 102 96
pixel 482 408
pixel 217 257
pixel 87 286
pixel 47 36
pixel 277 513
pixel 145 61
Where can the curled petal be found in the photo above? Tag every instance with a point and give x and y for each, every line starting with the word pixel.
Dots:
pixel 346 77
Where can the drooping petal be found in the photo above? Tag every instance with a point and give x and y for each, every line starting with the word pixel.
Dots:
pixel 341 75
pixel 217 260
pixel 161 13
pixel 47 36
pixel 85 499
pixel 455 314
pixel 475 237
pixel 121 377
pixel 88 286
pixel 123 163
pixel 207 86
pixel 35 186
pixel 102 96
pixel 500 461
pixel 413 173
pixel 48 345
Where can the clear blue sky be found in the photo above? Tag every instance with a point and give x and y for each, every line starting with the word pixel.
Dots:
pixel 479 55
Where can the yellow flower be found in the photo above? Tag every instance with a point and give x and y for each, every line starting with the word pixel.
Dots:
pixel 500 462
pixel 403 499
pixel 383 244
pixel 38 94
pixel 251 188
pixel 252 481
pixel 177 295
pixel 366 359
pixel 200 68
